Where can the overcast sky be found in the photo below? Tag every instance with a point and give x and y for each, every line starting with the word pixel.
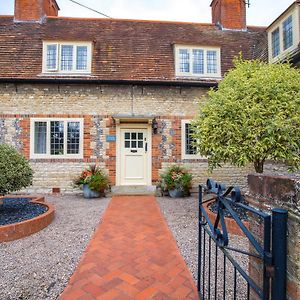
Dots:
pixel 261 12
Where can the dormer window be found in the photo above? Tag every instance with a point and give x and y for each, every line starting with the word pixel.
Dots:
pixel 283 35
pixel 197 61
pixel 67 57
pixel 287 29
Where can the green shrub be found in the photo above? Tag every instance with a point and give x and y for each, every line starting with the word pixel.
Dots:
pixel 252 117
pixel 15 173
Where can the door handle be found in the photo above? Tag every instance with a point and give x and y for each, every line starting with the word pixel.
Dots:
pixel 146 147
pixel 133 151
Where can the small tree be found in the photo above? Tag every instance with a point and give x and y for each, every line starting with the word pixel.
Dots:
pixel 253 116
pixel 15 171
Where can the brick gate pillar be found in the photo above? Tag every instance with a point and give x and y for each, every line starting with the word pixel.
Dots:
pixel 267 192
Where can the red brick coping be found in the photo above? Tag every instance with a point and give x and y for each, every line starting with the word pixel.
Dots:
pixel 19 230
pixel 231 224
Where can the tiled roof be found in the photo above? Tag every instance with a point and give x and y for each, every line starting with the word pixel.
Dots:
pixel 122 49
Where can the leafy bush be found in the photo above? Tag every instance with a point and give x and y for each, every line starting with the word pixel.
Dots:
pixel 15 173
pixel 94 177
pixel 176 177
pixel 252 117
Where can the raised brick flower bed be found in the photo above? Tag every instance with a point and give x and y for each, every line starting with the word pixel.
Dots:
pixel 25 228
pixel 231 224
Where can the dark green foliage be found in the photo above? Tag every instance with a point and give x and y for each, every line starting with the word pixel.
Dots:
pixel 15 171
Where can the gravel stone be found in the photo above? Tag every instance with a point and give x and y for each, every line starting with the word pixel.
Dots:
pixel 40 266
pixel 181 216
pixel 15 210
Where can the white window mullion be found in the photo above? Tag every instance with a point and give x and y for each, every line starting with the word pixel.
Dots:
pixel 205 61
pixel 190 62
pixel 48 143
pixel 65 137
pixel 81 138
pixel 58 57
pixel 74 58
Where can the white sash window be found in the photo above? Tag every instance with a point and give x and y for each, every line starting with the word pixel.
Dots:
pixel 198 61
pixel 63 57
pixel 56 138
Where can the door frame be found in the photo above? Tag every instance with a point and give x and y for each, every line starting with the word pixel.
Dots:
pixel 146 126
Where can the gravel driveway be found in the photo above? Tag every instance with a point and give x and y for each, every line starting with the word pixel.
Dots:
pixel 39 266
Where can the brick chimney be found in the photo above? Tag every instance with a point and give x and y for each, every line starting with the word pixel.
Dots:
pixel 229 14
pixel 34 10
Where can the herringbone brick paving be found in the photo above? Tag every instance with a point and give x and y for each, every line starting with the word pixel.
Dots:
pixel 132 255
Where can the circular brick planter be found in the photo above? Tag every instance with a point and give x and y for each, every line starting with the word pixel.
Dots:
pixel 19 230
pixel 232 226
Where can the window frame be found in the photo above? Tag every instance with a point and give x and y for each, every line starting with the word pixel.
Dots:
pixel 183 143
pixel 205 74
pixel 48 154
pixel 283 53
pixel 286 32
pixel 277 29
pixel 58 69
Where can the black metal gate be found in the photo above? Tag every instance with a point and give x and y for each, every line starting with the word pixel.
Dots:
pixel 252 266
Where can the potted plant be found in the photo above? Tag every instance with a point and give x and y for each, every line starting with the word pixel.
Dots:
pixel 93 181
pixel 177 181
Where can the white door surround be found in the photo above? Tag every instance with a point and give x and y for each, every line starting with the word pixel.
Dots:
pixel 133 154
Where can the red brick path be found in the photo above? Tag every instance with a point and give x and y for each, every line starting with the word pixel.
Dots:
pixel 132 256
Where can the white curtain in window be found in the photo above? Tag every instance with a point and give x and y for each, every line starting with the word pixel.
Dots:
pixel 40 136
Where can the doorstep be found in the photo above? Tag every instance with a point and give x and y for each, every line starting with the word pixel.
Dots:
pixel 133 190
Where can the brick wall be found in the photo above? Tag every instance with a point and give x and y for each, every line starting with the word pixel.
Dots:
pixel 230 14
pixel 96 104
pixel 34 10
pixel 267 192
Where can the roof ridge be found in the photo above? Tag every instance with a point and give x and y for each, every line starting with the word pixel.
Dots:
pixel 128 20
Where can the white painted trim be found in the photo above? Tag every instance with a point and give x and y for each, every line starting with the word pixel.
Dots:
pixel 148 127
pixel 191 74
pixel 183 143
pixel 48 155
pixel 70 43
pixel 295 13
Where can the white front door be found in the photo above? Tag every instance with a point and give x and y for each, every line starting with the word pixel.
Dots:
pixel 134 155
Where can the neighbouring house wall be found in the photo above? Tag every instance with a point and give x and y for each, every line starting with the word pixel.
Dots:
pixel 267 192
pixel 96 104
